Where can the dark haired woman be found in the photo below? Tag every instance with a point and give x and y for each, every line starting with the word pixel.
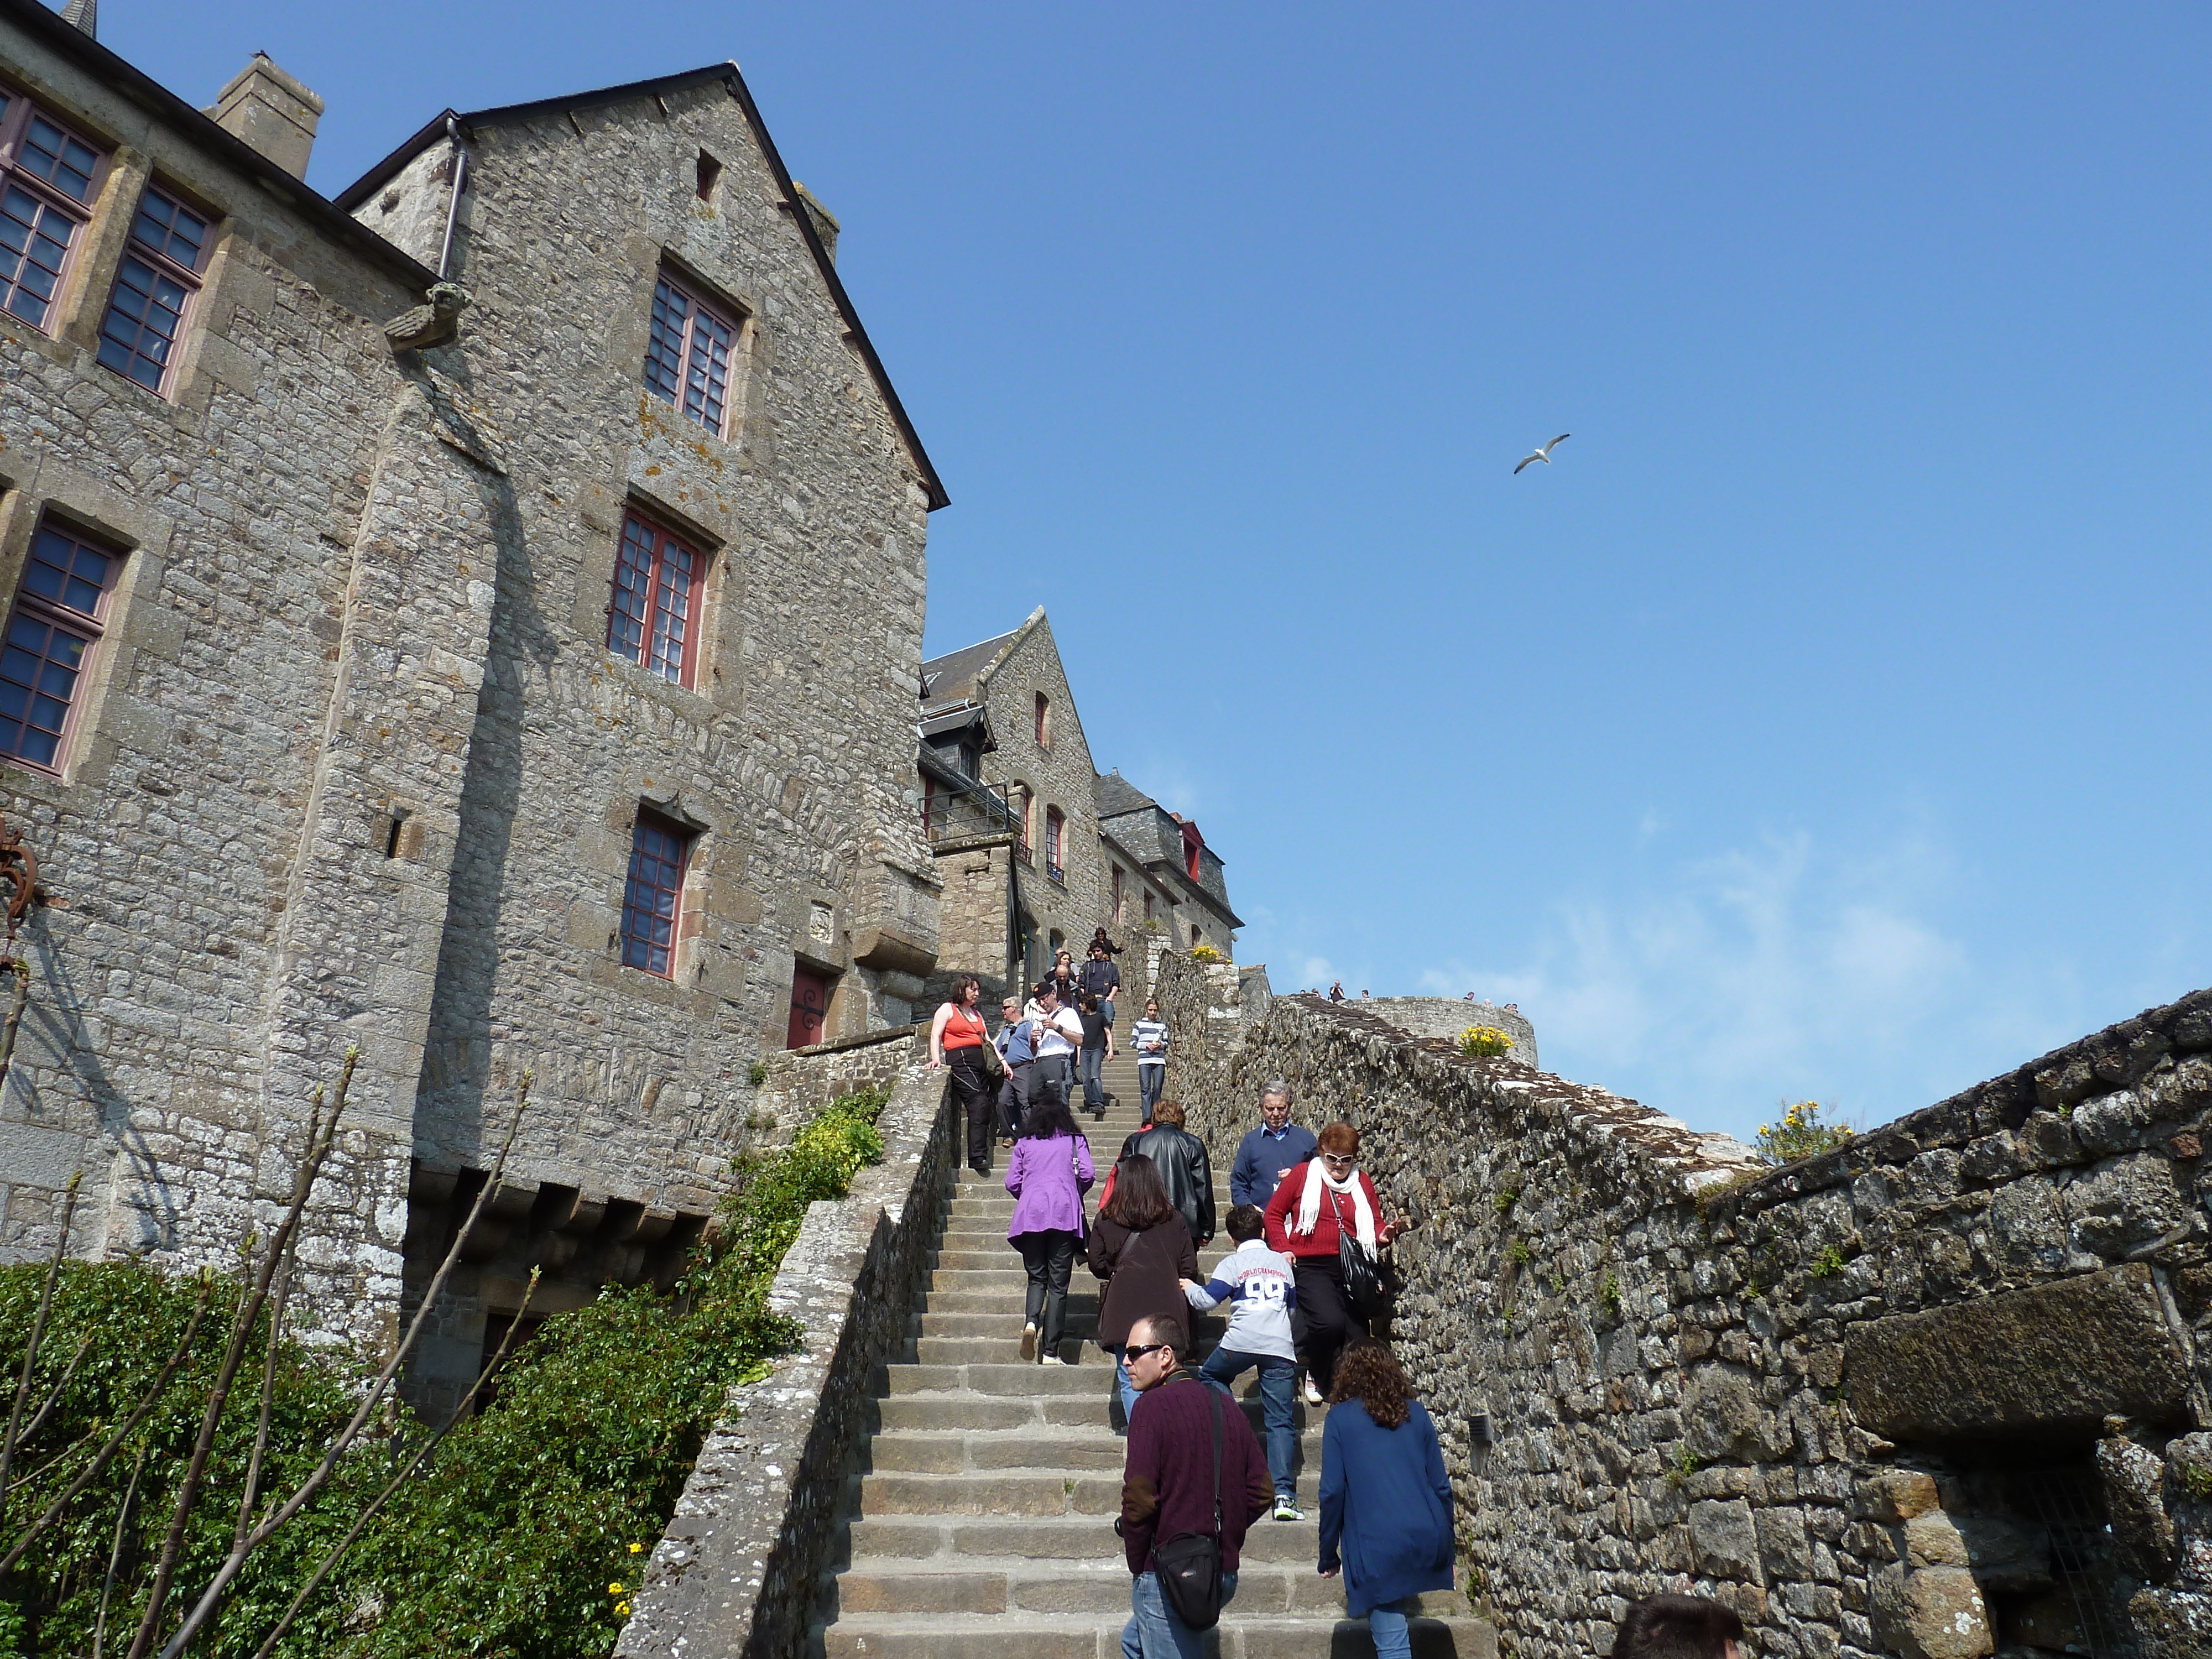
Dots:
pixel 1386 1505
pixel 1141 1247
pixel 956 1037
pixel 1049 1173
pixel 1315 1203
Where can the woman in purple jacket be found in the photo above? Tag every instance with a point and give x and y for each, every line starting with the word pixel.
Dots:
pixel 1049 1172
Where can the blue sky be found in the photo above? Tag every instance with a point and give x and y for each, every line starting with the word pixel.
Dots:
pixel 1830 719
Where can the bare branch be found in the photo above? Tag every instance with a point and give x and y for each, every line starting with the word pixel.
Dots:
pixel 115 1555
pixel 38 1421
pixel 11 1440
pixel 165 1570
pixel 421 1456
pixel 212 1597
pixel 146 1404
pixel 268 1396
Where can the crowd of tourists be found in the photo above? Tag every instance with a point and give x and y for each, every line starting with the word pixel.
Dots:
pixel 1303 1285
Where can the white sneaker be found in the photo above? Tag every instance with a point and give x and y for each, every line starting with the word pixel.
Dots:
pixel 1287 1509
pixel 1055 1359
pixel 1314 1395
pixel 1029 1341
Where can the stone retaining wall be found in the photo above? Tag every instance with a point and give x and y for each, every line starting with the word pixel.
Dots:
pixel 1943 1388
pixel 736 1572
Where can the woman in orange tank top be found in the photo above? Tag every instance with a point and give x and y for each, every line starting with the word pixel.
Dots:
pixel 957 1038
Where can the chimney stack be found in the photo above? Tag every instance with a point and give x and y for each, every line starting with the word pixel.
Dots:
pixel 825 227
pixel 272 112
pixel 85 14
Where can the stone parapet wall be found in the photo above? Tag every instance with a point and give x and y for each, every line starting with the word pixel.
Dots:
pixel 737 1570
pixel 1845 1396
pixel 1447 1017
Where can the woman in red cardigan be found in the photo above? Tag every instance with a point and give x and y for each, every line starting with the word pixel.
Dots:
pixel 1304 1219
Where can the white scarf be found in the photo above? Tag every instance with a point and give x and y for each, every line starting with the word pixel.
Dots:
pixel 1317 1177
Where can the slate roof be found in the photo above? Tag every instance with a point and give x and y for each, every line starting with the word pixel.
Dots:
pixel 1116 795
pixel 950 678
pixel 433 131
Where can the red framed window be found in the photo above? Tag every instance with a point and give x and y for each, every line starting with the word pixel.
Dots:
pixel 1055 828
pixel 47 177
pixel 154 289
pixel 60 612
pixel 809 1008
pixel 1024 810
pixel 687 355
pixel 653 617
pixel 1117 895
pixel 1043 721
pixel 652 898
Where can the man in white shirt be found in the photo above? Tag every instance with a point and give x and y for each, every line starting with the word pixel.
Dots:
pixel 1059 1036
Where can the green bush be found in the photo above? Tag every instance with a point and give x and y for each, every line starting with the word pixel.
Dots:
pixel 513 1542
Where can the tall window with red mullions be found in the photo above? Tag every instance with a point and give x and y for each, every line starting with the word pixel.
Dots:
pixel 154 289
pixel 47 178
pixel 1054 833
pixel 653 617
pixel 61 610
pixel 687 355
pixel 652 898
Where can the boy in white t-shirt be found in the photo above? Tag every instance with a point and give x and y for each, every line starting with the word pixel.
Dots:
pixel 1263 1288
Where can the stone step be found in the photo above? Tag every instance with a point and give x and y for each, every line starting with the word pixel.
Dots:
pixel 952 1539
pixel 1015 1491
pixel 970 1412
pixel 1083 1445
pixel 982 1584
pixel 1033 1636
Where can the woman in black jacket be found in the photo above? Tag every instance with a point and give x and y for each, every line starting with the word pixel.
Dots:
pixel 1140 1247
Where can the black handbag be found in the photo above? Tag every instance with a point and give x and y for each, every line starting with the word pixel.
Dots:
pixel 1363 1273
pixel 1188 1565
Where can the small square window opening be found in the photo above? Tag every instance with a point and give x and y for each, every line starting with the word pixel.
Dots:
pixel 710 170
pixel 653 895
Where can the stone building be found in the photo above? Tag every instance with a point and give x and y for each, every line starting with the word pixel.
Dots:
pixel 477 622
pixel 1034 849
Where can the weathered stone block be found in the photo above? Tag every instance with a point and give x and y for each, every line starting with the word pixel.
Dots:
pixel 2143 1534
pixel 1725 1541
pixel 2054 1357
pixel 2172 1623
pixel 1935 1613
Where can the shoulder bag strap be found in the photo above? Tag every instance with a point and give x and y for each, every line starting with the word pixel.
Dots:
pixel 1213 1399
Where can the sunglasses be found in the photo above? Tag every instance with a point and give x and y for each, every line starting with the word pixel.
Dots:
pixel 1129 1354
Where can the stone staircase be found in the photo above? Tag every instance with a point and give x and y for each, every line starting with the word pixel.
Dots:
pixel 981 1525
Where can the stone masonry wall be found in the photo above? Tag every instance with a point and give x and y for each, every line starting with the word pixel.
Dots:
pixel 1848 1396
pixel 1059 776
pixel 736 1571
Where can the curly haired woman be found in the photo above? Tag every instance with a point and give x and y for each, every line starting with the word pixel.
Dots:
pixel 1386 1504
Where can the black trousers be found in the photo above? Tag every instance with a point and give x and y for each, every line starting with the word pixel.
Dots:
pixel 972 1087
pixel 1014 1096
pixel 1050 1078
pixel 1323 1320
pixel 1049 1256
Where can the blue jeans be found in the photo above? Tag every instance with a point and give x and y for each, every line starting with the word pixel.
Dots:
pixel 1278 1381
pixel 1122 1386
pixel 1094 1083
pixel 1392 1639
pixel 1150 1079
pixel 1154 1632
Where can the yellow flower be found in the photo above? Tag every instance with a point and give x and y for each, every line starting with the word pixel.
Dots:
pixel 621 1609
pixel 614 1589
pixel 635 1549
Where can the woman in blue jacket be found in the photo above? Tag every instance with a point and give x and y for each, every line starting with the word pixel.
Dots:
pixel 1386 1506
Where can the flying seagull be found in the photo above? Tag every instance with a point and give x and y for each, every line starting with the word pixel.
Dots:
pixel 1543 454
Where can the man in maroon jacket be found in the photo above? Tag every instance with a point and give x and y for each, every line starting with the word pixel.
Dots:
pixel 1167 1485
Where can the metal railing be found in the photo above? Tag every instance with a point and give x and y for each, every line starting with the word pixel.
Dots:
pixel 953 812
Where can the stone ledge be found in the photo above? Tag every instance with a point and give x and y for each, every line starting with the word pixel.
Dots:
pixel 735 1573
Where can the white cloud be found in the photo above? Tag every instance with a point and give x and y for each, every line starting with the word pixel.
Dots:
pixel 1787 969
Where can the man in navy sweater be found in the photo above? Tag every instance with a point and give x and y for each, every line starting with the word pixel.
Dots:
pixel 1270 1151
pixel 1167 1485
